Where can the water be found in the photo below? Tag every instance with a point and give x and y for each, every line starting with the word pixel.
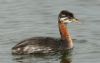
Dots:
pixel 21 19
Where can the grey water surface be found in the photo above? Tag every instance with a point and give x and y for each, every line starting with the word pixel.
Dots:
pixel 22 19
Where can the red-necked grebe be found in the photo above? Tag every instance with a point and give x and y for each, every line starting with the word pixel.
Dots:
pixel 48 44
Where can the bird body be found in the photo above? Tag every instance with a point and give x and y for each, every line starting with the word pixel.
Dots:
pixel 48 44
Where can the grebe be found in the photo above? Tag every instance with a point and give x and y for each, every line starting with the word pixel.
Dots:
pixel 48 44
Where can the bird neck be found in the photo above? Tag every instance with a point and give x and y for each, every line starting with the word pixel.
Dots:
pixel 65 35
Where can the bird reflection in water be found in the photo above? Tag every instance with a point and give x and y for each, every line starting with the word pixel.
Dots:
pixel 66 57
pixel 60 57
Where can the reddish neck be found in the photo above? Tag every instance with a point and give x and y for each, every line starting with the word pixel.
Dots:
pixel 65 35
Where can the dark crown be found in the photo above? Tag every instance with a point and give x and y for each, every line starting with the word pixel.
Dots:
pixel 65 13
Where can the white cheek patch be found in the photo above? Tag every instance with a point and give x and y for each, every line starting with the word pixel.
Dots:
pixel 62 19
pixel 65 20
